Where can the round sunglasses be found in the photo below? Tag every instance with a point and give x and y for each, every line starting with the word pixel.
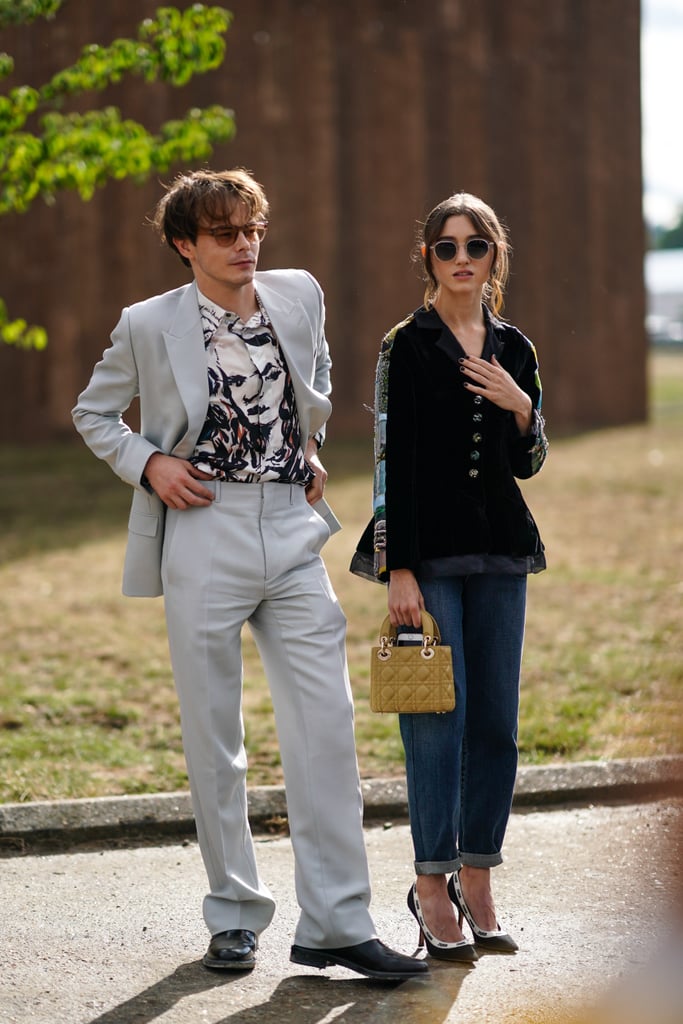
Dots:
pixel 446 249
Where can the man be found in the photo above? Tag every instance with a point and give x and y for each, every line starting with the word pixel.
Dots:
pixel 227 522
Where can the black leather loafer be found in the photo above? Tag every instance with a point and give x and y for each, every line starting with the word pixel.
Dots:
pixel 371 958
pixel 232 951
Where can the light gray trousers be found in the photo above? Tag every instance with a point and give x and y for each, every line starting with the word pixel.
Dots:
pixel 253 556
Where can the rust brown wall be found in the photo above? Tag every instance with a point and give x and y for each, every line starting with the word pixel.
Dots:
pixel 358 116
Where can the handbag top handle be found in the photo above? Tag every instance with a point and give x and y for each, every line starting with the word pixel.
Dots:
pixel 429 629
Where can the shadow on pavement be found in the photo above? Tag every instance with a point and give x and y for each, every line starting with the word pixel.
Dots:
pixel 304 999
pixel 187 980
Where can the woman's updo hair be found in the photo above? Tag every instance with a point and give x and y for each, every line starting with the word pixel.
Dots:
pixel 486 224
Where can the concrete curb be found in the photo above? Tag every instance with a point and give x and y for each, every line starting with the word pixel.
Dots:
pixel 128 819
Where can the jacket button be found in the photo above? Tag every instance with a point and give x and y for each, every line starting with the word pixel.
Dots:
pixel 477 417
pixel 474 455
pixel 474 473
pixel 478 399
pixel 476 438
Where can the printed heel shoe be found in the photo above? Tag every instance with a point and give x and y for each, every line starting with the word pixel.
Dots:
pixel 496 941
pixel 460 952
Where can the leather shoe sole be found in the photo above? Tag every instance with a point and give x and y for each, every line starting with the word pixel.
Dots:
pixel 232 951
pixel 371 958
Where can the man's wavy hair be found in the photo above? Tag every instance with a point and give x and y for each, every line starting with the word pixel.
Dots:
pixel 199 198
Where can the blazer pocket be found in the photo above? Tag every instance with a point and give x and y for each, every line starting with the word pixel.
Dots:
pixel 143 523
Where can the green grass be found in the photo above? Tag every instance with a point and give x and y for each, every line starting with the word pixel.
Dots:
pixel 87 705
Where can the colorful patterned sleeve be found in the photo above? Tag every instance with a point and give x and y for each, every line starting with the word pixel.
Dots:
pixel 379 487
pixel 527 454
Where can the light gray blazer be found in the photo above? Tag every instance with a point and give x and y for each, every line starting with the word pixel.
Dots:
pixel 157 352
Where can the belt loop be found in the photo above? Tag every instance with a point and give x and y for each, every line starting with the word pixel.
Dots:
pixel 217 496
pixel 291 494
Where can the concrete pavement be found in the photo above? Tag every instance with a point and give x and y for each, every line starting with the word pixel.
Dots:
pixel 110 932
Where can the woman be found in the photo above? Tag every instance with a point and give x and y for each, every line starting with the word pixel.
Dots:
pixel 457 418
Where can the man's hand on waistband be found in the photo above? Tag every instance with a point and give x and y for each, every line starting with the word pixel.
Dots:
pixel 316 488
pixel 177 482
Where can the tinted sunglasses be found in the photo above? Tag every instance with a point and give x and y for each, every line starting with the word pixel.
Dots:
pixel 446 249
pixel 229 233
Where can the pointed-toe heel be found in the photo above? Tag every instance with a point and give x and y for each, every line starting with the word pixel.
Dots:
pixel 495 941
pixel 459 952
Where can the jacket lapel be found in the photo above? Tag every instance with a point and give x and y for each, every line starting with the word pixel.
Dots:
pixel 293 331
pixel 289 322
pixel 185 348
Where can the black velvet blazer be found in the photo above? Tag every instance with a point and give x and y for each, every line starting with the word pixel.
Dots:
pixel 451 503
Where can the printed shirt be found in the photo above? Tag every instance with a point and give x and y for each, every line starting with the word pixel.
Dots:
pixel 251 432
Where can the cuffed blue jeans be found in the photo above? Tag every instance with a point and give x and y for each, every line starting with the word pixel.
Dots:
pixel 461 766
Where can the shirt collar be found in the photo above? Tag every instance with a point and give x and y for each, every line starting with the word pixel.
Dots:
pixel 219 312
pixel 427 318
pixel 208 304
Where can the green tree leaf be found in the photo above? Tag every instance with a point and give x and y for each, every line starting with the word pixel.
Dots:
pixel 19 12
pixel 45 150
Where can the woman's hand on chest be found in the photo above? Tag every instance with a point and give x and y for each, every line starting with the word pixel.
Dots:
pixel 494 383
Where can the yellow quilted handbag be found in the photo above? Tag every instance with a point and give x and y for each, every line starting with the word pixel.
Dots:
pixel 411 680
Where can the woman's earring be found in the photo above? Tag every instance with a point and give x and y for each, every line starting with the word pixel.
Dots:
pixel 423 250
